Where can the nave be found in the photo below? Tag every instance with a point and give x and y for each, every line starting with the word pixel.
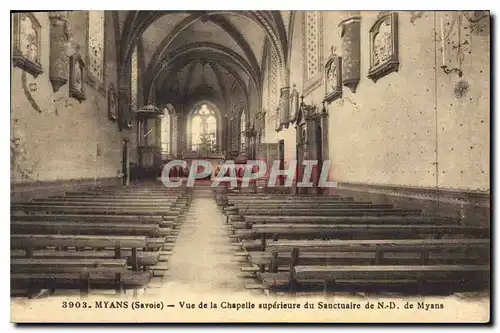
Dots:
pixel 147 240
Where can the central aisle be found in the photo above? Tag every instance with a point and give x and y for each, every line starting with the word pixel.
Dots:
pixel 203 258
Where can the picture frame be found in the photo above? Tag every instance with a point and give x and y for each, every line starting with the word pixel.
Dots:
pixel 112 103
pixel 27 43
pixel 384 46
pixel 77 78
pixel 333 77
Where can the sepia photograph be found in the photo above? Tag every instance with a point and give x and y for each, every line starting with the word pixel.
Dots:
pixel 250 166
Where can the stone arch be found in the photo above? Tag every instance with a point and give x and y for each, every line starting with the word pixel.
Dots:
pixel 272 24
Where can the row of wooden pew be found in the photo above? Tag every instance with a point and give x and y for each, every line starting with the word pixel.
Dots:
pixel 335 243
pixel 105 238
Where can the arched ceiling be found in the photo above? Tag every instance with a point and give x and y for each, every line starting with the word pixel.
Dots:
pixel 185 51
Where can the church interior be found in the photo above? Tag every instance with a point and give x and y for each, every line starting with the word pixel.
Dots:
pixel 398 103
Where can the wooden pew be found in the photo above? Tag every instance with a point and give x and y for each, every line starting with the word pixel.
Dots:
pixel 84 281
pixel 76 272
pixel 131 200
pixel 305 206
pixel 64 265
pixel 31 242
pixel 354 231
pixel 374 256
pixel 75 222
pixel 144 258
pixel 77 241
pixel 331 212
pixel 77 228
pixel 104 201
pixel 138 219
pixel 133 193
pixel 123 196
pixel 87 209
pixel 446 277
pixel 285 199
pixel 263 219
pixel 99 204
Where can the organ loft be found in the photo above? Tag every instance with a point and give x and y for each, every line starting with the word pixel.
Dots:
pixel 392 109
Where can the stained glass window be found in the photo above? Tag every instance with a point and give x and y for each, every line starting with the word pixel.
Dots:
pixel 203 129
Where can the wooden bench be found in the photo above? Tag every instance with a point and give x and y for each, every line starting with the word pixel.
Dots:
pixel 30 242
pixel 103 202
pixel 284 199
pixel 144 258
pixel 139 195
pixel 65 265
pixel 331 212
pixel 84 281
pixel 87 209
pixel 77 241
pixel 447 278
pixel 163 221
pixel 370 253
pixel 306 206
pixel 78 228
pixel 47 271
pixel 263 219
pixel 86 204
pixel 359 231
pixel 91 198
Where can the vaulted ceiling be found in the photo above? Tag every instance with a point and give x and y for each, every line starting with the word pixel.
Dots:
pixel 195 54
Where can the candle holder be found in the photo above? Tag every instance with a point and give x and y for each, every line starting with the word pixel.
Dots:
pixel 447 70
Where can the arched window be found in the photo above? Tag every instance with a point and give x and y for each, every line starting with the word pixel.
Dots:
pixel 96 44
pixel 165 133
pixel 134 79
pixel 203 129
pixel 242 132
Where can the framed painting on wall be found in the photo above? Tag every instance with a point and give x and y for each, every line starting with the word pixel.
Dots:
pixel 27 43
pixel 76 77
pixel 333 77
pixel 384 52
